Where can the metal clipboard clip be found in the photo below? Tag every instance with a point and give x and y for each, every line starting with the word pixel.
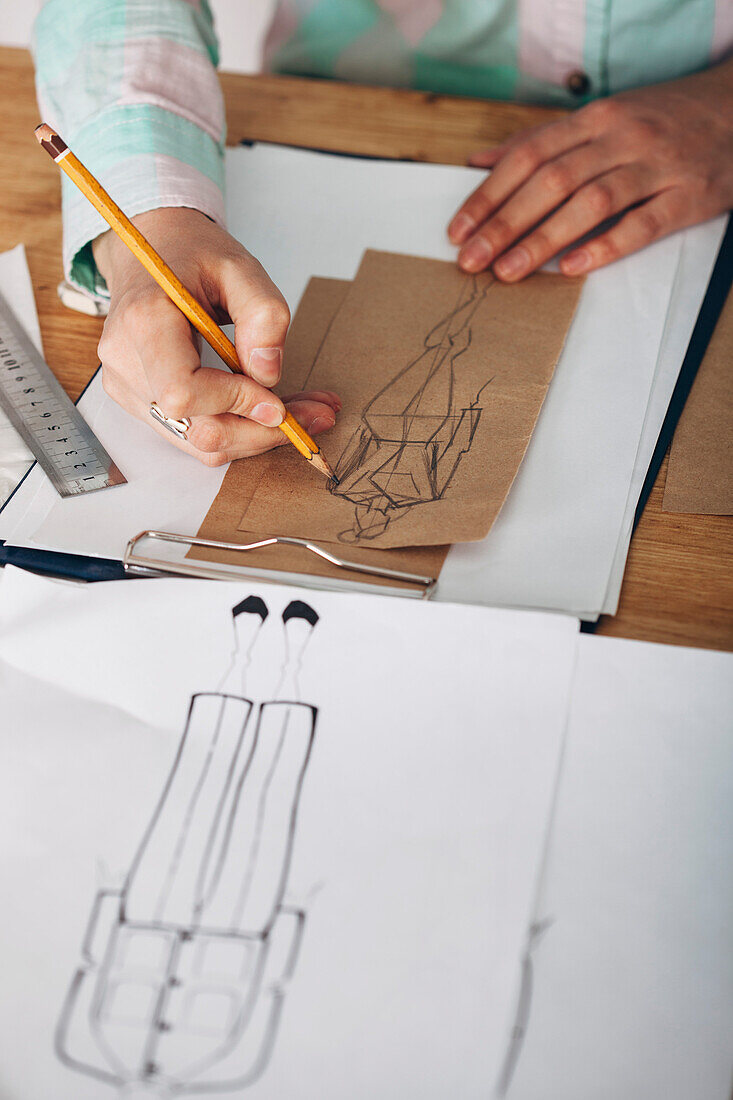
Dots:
pixel 139 565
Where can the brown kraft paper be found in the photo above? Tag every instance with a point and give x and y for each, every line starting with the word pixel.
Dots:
pixel 700 471
pixel 442 376
pixel 310 324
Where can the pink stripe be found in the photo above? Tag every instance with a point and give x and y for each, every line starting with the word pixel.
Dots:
pixel 551 38
pixel 414 18
pixel 180 184
pixel 284 24
pixel 166 74
pixel 722 30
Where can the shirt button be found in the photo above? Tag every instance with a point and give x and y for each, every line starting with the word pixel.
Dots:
pixel 577 82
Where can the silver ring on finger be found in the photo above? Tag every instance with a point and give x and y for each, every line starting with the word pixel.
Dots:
pixel 180 428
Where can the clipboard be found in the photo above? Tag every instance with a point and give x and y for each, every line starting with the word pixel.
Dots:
pixel 136 564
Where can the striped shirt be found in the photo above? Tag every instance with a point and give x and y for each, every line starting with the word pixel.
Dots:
pixel 132 86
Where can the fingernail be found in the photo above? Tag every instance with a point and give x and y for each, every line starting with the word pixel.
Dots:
pixel 265 365
pixel 321 424
pixel 460 228
pixel 476 255
pixel 514 264
pixel 575 262
pixel 267 415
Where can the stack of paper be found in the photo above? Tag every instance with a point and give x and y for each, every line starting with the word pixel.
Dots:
pixel 470 852
pixel 561 540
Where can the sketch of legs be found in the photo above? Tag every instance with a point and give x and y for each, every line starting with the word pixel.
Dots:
pixel 248 618
pixel 184 968
pixel 404 453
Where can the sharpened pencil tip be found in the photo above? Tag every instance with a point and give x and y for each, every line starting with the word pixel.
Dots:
pixel 320 463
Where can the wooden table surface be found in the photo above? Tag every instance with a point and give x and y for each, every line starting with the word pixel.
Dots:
pixel 678 586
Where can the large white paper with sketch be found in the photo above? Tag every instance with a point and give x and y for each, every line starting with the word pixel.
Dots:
pixel 17 290
pixel 54 630
pixel 632 974
pixel 559 533
pixel 332 896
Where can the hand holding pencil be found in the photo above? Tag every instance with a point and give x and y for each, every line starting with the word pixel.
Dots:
pixel 149 353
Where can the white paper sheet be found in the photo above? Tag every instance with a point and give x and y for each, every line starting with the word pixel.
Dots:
pixel 699 249
pixel 554 541
pixel 633 975
pixel 418 815
pixel 558 535
pixel 17 290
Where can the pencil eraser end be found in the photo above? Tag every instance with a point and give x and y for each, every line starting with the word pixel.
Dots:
pixel 49 140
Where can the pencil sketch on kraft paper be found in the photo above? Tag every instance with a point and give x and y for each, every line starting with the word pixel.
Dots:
pixel 441 376
pixel 185 968
pixel 415 431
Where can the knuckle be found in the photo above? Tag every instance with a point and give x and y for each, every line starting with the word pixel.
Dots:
pixel 605 114
pixel 498 232
pixel 526 158
pixel 474 209
pixel 706 189
pixel 606 250
pixel 176 399
pixel 230 263
pixel 270 313
pixel 540 246
pixel 558 179
pixel 648 224
pixel 478 204
pixel 598 197
pixel 642 133
pixel 244 398
pixel 214 458
pixel 208 436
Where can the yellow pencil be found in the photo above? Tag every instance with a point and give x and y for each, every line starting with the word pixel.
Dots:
pixel 165 278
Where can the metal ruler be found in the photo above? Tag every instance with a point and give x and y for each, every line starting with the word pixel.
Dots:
pixel 45 417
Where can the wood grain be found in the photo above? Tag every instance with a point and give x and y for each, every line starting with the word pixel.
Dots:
pixel 678 586
pixel 377 122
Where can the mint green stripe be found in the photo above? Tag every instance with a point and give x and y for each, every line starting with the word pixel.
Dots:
pixel 121 132
pixel 431 74
pixel 323 34
pixel 66 29
pixel 85 21
pixel 471 50
pixel 630 43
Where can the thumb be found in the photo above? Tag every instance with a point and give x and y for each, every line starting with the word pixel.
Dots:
pixel 260 315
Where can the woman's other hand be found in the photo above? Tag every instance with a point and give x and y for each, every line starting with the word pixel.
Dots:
pixel 661 156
